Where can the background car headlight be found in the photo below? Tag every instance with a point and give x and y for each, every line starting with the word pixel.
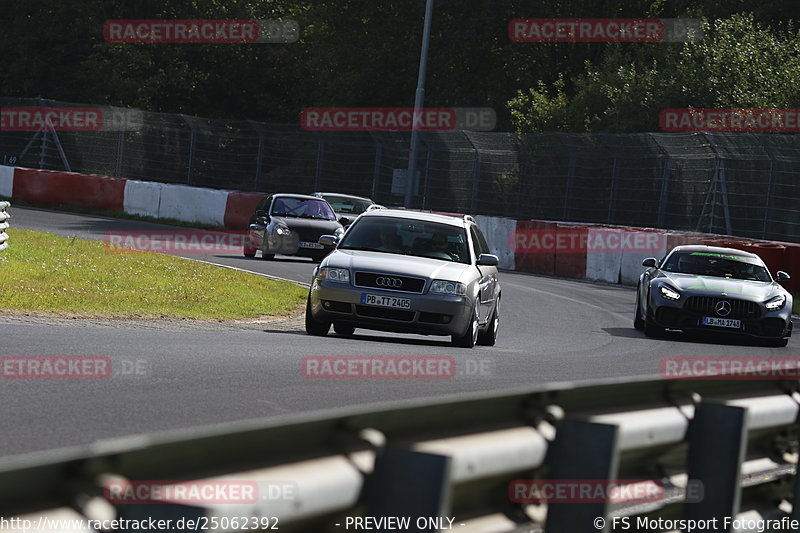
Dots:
pixel 773 304
pixel 281 229
pixel 441 286
pixel 669 293
pixel 334 274
pixel 339 232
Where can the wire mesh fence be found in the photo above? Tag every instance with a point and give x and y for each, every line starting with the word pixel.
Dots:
pixel 734 183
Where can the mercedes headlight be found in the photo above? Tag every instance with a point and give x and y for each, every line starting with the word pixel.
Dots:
pixel 773 304
pixel 441 286
pixel 334 274
pixel 669 293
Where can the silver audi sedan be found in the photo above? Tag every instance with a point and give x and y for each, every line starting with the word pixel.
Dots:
pixel 408 272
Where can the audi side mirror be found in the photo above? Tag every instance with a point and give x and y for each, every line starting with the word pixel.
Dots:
pixel 489 260
pixel 781 275
pixel 328 240
pixel 650 262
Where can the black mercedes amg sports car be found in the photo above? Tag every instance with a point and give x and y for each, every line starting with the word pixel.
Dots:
pixel 706 288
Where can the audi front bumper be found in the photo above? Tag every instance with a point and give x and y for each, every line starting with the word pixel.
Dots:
pixel 429 314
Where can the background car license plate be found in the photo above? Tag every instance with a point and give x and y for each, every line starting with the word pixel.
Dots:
pixel 386 301
pixel 722 322
pixel 315 245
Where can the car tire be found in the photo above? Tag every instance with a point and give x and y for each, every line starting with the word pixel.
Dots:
pixel 343 329
pixel 470 337
pixel 652 330
pixel 249 251
pixel 318 257
pixel 778 343
pixel 489 337
pixel 314 326
pixel 267 257
pixel 638 322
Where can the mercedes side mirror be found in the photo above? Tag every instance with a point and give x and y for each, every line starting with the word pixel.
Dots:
pixel 328 240
pixel 650 262
pixel 489 260
pixel 781 275
pixel 261 213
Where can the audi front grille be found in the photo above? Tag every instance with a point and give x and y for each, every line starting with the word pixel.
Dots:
pixel 707 306
pixel 389 282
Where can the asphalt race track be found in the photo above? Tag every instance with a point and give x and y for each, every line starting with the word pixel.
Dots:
pixel 176 375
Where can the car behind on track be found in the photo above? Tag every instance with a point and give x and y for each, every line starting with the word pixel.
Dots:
pixel 713 289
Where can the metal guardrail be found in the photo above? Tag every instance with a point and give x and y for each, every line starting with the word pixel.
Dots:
pixel 4 217
pixel 735 440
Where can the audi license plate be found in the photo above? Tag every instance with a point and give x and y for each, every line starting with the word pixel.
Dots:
pixel 314 245
pixel 386 301
pixel 722 322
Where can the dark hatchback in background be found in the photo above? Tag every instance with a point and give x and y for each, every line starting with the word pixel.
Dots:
pixel 713 289
pixel 347 206
pixel 290 224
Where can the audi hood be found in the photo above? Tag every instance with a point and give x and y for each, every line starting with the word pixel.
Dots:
pixel 414 266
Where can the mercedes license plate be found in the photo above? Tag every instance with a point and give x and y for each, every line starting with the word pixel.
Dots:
pixel 722 322
pixel 386 301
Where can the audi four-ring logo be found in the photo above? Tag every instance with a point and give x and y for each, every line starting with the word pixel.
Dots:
pixel 389 282
pixel 723 308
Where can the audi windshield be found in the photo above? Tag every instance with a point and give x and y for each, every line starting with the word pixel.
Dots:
pixel 407 237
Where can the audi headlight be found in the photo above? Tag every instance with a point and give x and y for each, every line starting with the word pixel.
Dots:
pixel 669 293
pixel 334 274
pixel 441 286
pixel 773 304
pixel 281 229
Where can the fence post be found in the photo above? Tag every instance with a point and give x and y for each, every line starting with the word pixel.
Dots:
pixel 259 155
pixel 120 145
pixel 192 146
pixel 428 163
pixel 376 169
pixel 766 229
pixel 573 160
pixel 320 155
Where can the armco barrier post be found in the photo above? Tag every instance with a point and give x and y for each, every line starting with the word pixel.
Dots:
pixel 4 216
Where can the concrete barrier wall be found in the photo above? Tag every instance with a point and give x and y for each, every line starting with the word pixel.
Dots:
pixel 496 230
pixel 142 198
pixel 57 188
pixel 6 181
pixel 193 204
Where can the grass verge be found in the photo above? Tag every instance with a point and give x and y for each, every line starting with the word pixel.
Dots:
pixel 46 274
